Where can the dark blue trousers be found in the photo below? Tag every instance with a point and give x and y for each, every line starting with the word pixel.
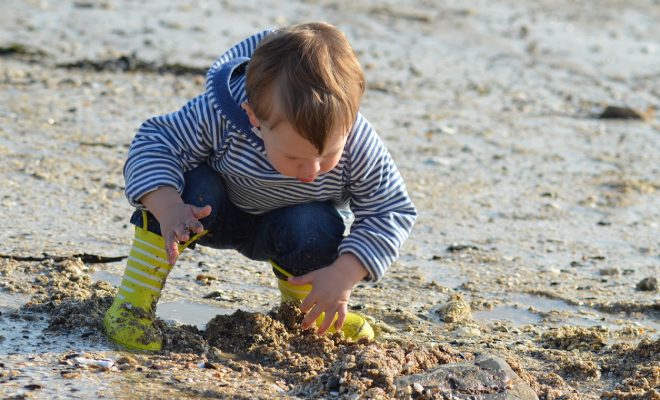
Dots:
pixel 300 238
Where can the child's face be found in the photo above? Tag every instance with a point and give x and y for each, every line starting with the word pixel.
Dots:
pixel 294 156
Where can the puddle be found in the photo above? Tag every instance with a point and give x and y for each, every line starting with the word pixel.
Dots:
pixel 189 313
pixel 582 316
pixel 650 327
pixel 25 334
pixel 100 275
pixel 12 301
pixel 443 274
pixel 35 354
pixel 515 315
pixel 541 304
pixel 179 311
pixel 559 313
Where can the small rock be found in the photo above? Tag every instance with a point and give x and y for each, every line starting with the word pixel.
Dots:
pixel 210 365
pixel 103 364
pixel 468 331
pixel 437 161
pixel 127 360
pixel 455 310
pixel 649 284
pixel 216 294
pixel 448 130
pixel 34 386
pixel 332 384
pixel 205 279
pixel 609 271
pixel 455 248
pixel 70 374
pixel 615 112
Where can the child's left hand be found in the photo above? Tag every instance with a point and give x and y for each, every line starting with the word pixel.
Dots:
pixel 331 289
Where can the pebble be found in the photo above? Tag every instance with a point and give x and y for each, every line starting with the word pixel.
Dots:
pixel 437 161
pixel 615 112
pixel 468 331
pixel 609 271
pixel 455 310
pixel 649 284
pixel 70 374
pixel 447 130
pixel 103 364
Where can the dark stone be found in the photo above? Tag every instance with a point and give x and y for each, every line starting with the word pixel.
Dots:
pixel 332 385
pixel 649 284
pixel 614 112
pixel 455 248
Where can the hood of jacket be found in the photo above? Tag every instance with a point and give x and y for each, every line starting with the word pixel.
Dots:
pixel 225 84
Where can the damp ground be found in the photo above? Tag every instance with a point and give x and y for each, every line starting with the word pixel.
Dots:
pixel 537 240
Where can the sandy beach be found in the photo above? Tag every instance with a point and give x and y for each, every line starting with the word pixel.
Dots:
pixel 528 134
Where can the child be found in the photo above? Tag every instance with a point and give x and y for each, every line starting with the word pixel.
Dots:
pixel 263 162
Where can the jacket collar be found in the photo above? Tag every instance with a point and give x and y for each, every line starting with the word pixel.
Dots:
pixel 228 104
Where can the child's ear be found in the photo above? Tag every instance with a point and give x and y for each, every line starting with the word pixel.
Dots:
pixel 254 121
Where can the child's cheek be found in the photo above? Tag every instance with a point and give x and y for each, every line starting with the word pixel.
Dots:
pixel 281 166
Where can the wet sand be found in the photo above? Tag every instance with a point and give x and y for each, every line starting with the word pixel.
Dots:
pixel 537 240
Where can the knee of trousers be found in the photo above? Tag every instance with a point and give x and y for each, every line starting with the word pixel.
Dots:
pixel 312 228
pixel 204 186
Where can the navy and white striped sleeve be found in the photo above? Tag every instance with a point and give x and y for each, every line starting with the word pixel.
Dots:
pixel 384 213
pixel 168 145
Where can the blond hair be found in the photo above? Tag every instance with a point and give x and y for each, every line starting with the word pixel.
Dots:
pixel 309 75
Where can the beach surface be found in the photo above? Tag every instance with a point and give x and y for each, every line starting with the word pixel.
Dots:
pixel 528 134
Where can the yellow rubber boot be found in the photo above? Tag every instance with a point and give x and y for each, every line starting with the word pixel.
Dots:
pixel 355 326
pixel 129 321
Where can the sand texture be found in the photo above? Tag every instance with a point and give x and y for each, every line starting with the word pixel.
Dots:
pixel 528 136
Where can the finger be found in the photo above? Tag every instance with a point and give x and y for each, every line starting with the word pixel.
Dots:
pixel 311 317
pixel 171 249
pixel 201 212
pixel 308 303
pixel 327 321
pixel 195 226
pixel 302 279
pixel 181 233
pixel 341 317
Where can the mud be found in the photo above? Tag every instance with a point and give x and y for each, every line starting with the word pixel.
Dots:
pixel 300 363
pixel 536 241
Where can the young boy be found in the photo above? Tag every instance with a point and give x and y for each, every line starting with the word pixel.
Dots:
pixel 263 162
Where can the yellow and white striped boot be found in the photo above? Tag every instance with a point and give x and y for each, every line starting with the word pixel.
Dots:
pixel 130 319
pixel 355 326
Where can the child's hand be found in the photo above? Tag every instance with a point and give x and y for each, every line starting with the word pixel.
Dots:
pixel 177 222
pixel 331 289
pixel 176 218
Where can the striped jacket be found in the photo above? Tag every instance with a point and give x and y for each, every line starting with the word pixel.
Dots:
pixel 213 129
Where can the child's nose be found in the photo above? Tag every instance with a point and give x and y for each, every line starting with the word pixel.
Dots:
pixel 310 169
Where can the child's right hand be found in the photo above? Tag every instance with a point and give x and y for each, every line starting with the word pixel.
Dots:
pixel 176 218
pixel 176 224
